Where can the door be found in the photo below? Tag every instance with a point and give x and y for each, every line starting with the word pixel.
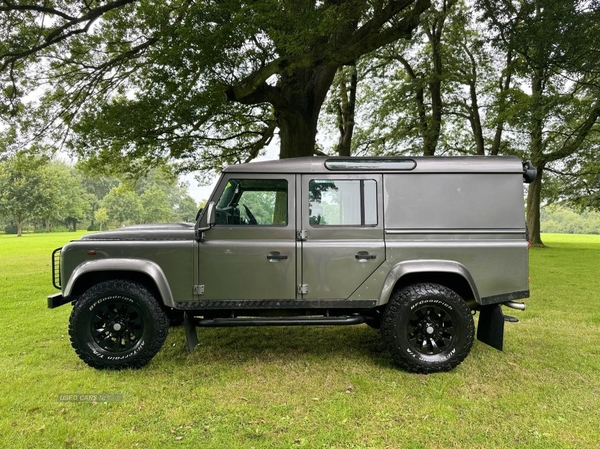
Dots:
pixel 342 230
pixel 250 253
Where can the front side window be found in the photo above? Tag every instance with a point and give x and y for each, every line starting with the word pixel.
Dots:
pixel 334 202
pixel 258 202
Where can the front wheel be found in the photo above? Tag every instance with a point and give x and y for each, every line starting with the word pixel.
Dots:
pixel 428 328
pixel 117 324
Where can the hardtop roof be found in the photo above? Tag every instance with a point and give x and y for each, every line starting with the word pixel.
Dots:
pixel 424 164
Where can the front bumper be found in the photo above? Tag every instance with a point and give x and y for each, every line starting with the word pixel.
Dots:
pixel 58 300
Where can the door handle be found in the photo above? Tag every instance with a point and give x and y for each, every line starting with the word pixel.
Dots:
pixel 364 255
pixel 275 256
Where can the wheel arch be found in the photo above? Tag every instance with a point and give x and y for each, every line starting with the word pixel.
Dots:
pixel 450 274
pixel 145 272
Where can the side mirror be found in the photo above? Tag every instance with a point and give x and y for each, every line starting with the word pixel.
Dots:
pixel 210 214
pixel 529 172
pixel 206 222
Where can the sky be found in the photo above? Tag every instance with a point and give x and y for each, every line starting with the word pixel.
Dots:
pixel 201 193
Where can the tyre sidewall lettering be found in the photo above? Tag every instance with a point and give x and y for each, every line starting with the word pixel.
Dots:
pixel 436 302
pixel 399 326
pixel 415 354
pixel 107 298
pixel 152 325
pixel 101 353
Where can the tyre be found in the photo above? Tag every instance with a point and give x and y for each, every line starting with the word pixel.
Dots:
pixel 117 324
pixel 428 328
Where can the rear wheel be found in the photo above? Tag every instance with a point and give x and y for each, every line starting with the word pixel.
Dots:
pixel 428 328
pixel 117 324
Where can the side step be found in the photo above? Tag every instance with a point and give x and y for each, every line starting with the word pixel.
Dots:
pixel 190 323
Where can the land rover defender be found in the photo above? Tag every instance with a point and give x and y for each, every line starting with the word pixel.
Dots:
pixel 413 246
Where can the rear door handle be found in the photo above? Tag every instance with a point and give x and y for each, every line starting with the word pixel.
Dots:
pixel 275 256
pixel 364 255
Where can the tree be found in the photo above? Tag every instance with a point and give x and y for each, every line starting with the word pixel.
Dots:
pixel 156 207
pixel 101 217
pixel 204 83
pixel 555 45
pixel 64 198
pixel 343 106
pixel 422 96
pixel 186 209
pixel 24 190
pixel 122 205
pixel 78 203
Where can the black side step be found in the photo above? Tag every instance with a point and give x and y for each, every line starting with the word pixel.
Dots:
pixel 281 321
pixel 191 323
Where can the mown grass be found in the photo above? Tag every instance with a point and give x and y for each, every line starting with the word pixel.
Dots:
pixel 307 387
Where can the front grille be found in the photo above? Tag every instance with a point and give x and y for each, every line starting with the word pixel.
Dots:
pixel 56 267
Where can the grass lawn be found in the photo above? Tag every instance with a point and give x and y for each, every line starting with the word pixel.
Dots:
pixel 306 387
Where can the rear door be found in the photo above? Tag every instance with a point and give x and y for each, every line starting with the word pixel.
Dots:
pixel 341 233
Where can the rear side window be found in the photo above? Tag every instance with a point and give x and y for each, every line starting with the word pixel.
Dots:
pixel 340 202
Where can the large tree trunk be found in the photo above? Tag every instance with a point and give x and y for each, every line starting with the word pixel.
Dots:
pixel 345 112
pixel 504 85
pixel 297 115
pixel 19 228
pixel 534 196
pixel 297 132
pixel 475 120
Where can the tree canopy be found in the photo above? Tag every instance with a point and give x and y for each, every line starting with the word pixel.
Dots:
pixel 35 190
pixel 129 84
pixel 202 83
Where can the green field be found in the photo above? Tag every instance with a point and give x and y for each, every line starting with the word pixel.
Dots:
pixel 306 387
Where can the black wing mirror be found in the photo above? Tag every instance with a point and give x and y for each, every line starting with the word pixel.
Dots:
pixel 529 172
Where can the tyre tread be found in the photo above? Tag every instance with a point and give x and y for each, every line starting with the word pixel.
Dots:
pixel 398 302
pixel 160 320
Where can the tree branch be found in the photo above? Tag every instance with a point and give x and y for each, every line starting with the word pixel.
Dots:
pixel 580 134
pixel 371 36
pixel 57 35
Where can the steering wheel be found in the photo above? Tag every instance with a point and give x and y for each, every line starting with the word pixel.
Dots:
pixel 250 215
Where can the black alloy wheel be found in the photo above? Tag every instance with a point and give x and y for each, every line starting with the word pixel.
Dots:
pixel 428 328
pixel 117 324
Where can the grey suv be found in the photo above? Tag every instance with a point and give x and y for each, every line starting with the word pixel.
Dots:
pixel 411 246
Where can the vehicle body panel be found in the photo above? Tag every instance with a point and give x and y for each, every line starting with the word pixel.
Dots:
pixel 454 215
pixel 331 263
pixel 246 262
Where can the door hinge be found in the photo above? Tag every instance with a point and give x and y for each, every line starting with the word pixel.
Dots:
pixel 302 289
pixel 302 235
pixel 198 289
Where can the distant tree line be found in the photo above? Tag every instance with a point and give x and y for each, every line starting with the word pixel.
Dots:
pixel 40 193
pixel 563 220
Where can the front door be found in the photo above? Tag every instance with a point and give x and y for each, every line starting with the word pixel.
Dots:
pixel 342 230
pixel 250 253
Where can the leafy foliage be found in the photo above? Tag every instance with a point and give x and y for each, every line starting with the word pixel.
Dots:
pixel 123 206
pixel 35 189
pixel 24 188
pixel 129 84
pixel 562 220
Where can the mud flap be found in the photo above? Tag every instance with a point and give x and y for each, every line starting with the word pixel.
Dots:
pixel 190 331
pixel 491 326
